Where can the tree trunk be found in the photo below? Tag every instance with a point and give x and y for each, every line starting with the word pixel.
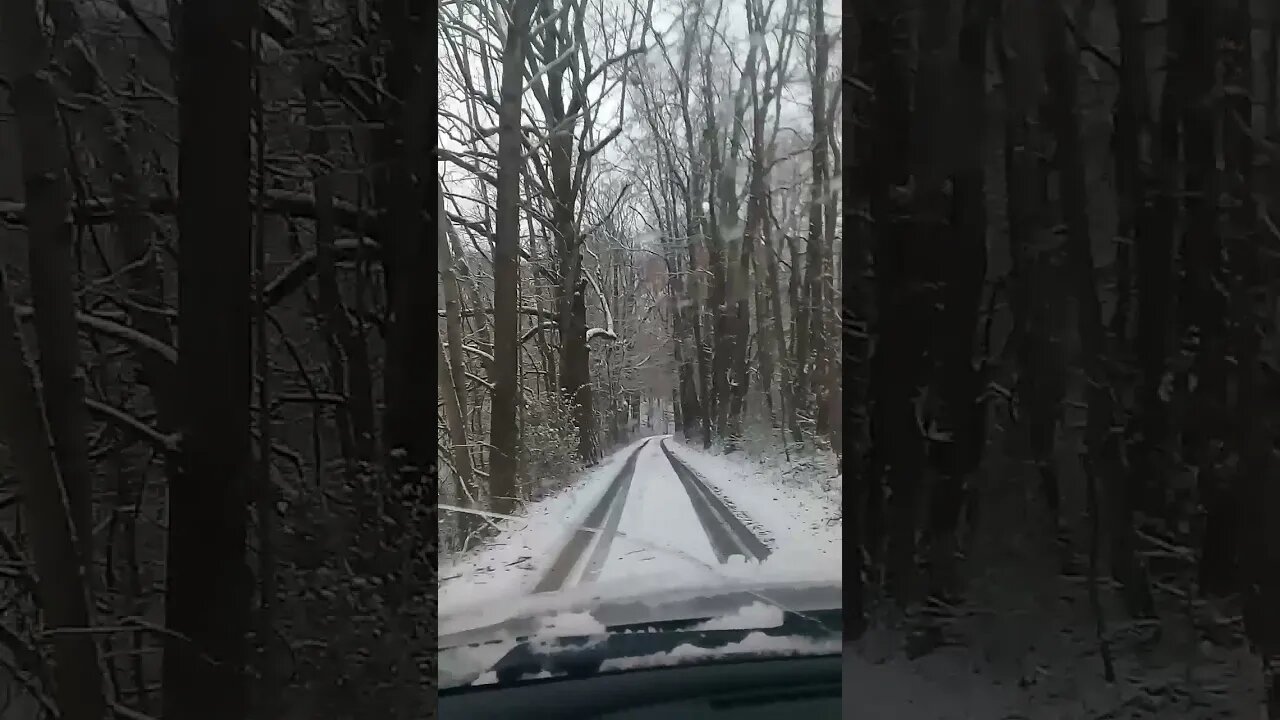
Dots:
pixel 209 585
pixel 798 343
pixel 1153 239
pixel 80 688
pixel 962 416
pixel 51 255
pixel 1102 455
pixel 716 305
pixel 1036 285
pixel 817 375
pixel 454 421
pixel 401 188
pixel 1203 304
pixel 575 365
pixel 349 356
pixel 756 212
pixel 695 224
pixel 898 364
pixel 504 435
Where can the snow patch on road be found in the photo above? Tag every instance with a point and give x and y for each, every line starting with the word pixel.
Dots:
pixel 511 563
pixel 794 506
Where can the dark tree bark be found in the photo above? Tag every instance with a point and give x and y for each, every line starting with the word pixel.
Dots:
pixel 686 389
pixel 694 224
pixel 51 255
pixel 401 187
pixel 48 443
pixel 504 435
pixel 962 417
pixel 1102 456
pixel 209 586
pixel 718 323
pixel 575 365
pixel 818 257
pixel 1253 441
pixel 756 211
pixel 1036 285
pixel 348 354
pixel 1152 219
pixel 1202 303
pixel 858 109
pixel 898 365
pixel 452 383
pixel 80 688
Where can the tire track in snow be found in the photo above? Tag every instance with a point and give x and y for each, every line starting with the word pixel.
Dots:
pixel 605 516
pixel 729 534
pixel 610 529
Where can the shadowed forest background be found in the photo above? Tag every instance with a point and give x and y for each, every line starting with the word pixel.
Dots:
pixel 1061 320
pixel 213 236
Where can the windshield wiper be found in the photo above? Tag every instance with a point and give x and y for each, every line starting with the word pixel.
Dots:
pixel 583 655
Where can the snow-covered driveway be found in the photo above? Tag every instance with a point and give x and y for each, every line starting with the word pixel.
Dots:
pixel 659 532
pixel 633 524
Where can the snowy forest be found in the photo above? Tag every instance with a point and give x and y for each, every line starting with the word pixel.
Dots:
pixel 1062 290
pixel 215 458
pixel 639 234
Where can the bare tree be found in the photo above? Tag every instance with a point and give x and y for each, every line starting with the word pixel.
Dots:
pixel 55 481
pixel 209 587
pixel 51 256
pixel 506 259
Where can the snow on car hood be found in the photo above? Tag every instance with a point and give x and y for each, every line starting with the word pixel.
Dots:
pixel 757 645
pixel 634 601
pixel 782 571
pixel 468 654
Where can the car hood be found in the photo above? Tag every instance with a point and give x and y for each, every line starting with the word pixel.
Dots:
pixel 623 604
pixel 473 645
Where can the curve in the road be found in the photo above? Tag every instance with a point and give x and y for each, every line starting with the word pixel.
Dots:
pixel 728 534
pixel 603 520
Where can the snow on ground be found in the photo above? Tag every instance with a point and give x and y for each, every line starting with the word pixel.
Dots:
pixel 659 533
pixel 510 564
pixel 1059 679
pixel 1022 644
pixel 896 689
pixel 793 506
pixel 660 546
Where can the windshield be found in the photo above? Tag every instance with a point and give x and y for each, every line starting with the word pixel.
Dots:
pixel 639 330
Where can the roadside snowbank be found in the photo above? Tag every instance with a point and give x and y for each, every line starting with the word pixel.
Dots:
pixel 794 507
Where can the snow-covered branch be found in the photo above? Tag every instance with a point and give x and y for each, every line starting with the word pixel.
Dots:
pixel 607 331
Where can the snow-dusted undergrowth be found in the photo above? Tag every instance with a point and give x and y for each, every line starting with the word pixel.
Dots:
pixel 1023 646
pixel 1002 665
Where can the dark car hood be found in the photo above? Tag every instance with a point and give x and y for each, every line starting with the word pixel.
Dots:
pixel 680 614
pixel 615 606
